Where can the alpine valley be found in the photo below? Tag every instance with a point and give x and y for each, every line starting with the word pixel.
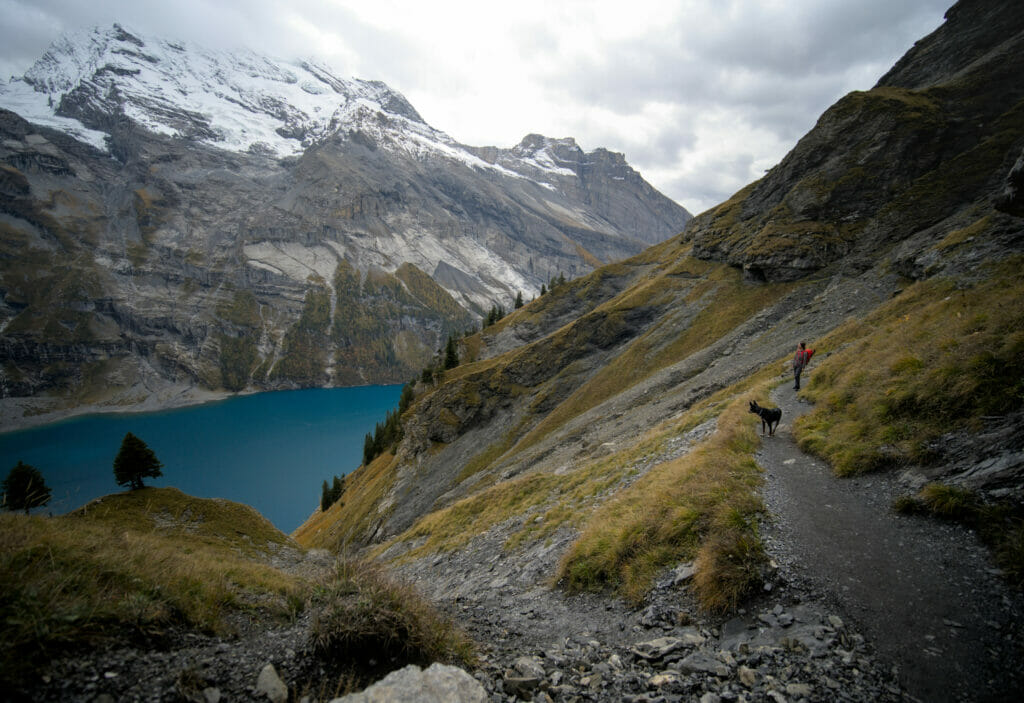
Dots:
pixel 175 220
pixel 584 499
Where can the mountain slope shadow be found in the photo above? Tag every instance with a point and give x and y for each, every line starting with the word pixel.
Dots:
pixel 924 592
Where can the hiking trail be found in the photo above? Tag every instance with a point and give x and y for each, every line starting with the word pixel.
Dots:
pixel 924 592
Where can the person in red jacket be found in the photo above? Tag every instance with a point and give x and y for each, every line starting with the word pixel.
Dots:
pixel 803 355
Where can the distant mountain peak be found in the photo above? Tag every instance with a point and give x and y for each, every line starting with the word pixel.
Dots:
pixel 237 100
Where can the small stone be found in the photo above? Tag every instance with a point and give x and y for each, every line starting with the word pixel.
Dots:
pixel 710 698
pixel 748 677
pixel 270 685
pixel 529 667
pixel 211 695
pixel 523 686
pixel 799 690
pixel 702 663
pixel 835 621
pixel 657 648
pixel 683 573
pixel 662 679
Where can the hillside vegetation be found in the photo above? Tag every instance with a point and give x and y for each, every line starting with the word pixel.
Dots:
pixel 148 566
pixel 889 239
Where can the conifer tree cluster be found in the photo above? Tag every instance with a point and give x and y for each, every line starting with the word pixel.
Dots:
pixel 496 313
pixel 451 354
pixel 331 494
pixel 387 434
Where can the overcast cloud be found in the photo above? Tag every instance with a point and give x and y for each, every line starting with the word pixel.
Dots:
pixel 701 95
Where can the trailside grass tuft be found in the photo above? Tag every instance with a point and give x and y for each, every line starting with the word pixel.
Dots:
pixel 702 506
pixel 365 623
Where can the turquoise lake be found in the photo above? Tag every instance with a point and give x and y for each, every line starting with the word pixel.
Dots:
pixel 270 450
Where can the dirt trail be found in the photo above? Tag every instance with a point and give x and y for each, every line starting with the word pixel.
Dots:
pixel 923 591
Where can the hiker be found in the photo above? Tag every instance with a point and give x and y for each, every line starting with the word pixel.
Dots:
pixel 803 355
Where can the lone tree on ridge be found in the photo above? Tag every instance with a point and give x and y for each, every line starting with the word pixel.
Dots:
pixel 24 488
pixel 134 462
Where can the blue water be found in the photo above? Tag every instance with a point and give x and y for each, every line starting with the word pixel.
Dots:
pixel 270 450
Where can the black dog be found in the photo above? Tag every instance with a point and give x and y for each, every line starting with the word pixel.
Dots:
pixel 769 416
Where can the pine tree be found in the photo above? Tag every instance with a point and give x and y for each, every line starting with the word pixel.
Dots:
pixel 543 289
pixel 134 462
pixel 337 488
pixel 451 354
pixel 325 497
pixel 24 488
pixel 519 299
pixel 368 454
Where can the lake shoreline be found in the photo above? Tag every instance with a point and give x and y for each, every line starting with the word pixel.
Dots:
pixel 24 413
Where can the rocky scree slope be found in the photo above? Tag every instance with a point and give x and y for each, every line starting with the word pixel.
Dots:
pixel 180 218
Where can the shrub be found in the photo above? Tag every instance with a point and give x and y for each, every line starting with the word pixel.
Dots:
pixel 371 623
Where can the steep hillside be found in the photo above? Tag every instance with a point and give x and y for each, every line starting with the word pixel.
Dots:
pixel 897 207
pixel 271 226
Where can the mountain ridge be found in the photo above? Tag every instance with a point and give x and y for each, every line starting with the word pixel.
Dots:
pixel 124 263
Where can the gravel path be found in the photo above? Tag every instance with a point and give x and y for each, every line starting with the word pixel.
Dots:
pixel 923 592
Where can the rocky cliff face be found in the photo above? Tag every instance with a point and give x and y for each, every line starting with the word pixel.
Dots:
pixel 907 160
pixel 911 180
pixel 175 218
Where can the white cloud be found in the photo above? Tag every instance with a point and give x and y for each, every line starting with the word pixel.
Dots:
pixel 700 95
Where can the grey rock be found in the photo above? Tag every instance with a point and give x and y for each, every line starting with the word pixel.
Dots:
pixel 270 685
pixel 701 662
pixel 529 666
pixel 439 683
pixel 657 648
pixel 683 573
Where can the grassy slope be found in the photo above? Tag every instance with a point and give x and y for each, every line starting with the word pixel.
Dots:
pixel 141 564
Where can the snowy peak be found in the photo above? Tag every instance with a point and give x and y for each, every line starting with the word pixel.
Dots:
pixel 235 100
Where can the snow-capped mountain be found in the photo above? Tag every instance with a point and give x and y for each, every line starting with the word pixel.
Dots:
pixel 180 183
pixel 235 100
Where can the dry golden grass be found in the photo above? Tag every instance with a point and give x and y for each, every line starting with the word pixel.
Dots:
pixel 349 518
pixel 68 580
pixel 135 565
pixel 702 506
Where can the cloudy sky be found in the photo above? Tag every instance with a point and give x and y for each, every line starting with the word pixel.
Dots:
pixel 700 95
